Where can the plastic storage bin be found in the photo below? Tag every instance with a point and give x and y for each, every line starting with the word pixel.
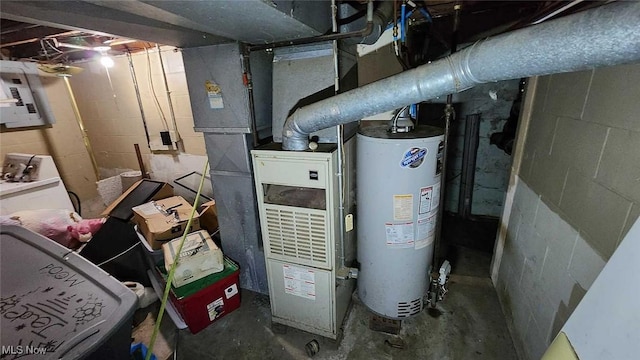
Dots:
pixel 204 301
pixel 55 304
pixel 153 256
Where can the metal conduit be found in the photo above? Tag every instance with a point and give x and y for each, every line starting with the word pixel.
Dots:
pixel 132 70
pixel 604 36
pixel 83 128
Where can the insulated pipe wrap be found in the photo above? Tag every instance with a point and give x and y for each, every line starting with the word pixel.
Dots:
pixel 605 36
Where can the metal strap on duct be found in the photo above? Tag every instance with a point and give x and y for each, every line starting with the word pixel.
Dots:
pixel 605 36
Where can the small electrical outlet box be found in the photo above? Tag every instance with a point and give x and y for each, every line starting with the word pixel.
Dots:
pixel 166 138
pixel 164 141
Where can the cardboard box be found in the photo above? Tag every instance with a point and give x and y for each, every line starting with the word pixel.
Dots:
pixel 164 220
pixel 209 216
pixel 199 257
pixel 139 193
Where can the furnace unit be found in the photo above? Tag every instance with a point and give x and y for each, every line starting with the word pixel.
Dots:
pixel 298 199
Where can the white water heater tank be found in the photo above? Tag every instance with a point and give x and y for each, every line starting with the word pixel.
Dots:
pixel 398 193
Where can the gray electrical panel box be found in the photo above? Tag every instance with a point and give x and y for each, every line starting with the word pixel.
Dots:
pixel 23 100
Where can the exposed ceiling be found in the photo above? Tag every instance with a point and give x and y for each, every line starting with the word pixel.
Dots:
pixel 40 29
pixel 44 43
pixel 179 23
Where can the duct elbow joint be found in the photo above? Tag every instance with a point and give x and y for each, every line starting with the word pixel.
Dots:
pixel 294 139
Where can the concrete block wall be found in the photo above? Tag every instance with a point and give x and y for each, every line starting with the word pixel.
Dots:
pixel 63 141
pixel 110 108
pixel 575 197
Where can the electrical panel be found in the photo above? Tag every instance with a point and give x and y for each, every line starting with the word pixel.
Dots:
pixel 298 202
pixel 23 100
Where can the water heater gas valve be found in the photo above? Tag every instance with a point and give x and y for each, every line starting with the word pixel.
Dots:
pixel 438 288
pixel 444 272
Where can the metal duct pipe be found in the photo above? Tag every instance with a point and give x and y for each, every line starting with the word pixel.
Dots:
pixel 605 36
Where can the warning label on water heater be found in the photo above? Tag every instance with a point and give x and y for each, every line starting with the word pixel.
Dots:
pixel 399 235
pixel 426 194
pixel 435 198
pixel 426 231
pixel 299 281
pixel 402 207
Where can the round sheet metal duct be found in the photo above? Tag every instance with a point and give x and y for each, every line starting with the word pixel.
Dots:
pixel 604 36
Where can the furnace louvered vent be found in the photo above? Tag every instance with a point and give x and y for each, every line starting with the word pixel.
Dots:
pixel 297 235
pixel 16 95
pixel 406 309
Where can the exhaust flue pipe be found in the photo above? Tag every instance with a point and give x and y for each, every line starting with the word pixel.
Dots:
pixel 605 36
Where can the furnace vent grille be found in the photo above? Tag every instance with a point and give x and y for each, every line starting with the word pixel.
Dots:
pixel 298 235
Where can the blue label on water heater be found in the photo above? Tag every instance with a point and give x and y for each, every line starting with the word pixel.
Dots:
pixel 413 157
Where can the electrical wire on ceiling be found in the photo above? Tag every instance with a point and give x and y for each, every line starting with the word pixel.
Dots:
pixel 52 47
pixel 44 49
pixel 153 91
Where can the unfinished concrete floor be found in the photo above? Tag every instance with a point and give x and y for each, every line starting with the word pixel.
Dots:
pixel 468 324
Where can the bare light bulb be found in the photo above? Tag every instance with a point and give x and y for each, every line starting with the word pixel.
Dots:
pixel 102 48
pixel 106 61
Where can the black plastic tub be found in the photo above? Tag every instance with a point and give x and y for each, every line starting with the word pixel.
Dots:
pixel 115 249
